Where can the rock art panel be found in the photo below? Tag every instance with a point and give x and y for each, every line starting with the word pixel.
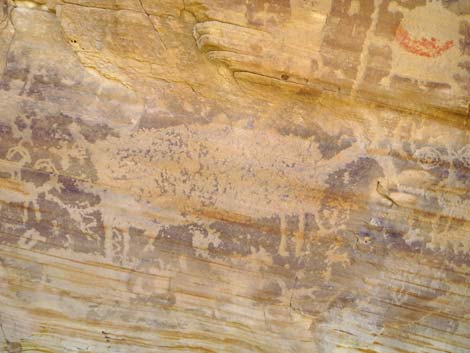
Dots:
pixel 237 176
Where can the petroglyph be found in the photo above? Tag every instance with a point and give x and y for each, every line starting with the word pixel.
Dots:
pixel 303 190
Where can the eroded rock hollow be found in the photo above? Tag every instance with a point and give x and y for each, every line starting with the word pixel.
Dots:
pixel 235 176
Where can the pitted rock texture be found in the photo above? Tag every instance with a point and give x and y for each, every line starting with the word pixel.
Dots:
pixel 235 176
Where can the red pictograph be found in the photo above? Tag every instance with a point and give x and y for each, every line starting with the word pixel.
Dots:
pixel 423 47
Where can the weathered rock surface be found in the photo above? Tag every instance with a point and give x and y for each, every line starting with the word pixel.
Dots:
pixel 235 176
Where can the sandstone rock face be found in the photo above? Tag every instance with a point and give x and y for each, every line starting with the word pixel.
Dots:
pixel 235 176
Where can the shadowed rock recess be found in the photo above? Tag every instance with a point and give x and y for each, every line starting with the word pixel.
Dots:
pixel 235 176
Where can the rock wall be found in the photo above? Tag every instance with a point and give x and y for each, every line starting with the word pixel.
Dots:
pixel 235 176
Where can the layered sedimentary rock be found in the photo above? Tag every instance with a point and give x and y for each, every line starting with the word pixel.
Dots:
pixel 234 176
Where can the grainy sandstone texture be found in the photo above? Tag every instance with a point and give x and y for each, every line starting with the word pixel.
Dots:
pixel 235 176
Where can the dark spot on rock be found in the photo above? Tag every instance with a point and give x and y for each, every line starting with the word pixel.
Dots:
pixel 313 65
pixel 51 130
pixel 356 175
pixel 93 133
pixel 465 41
pixel 329 145
pixel 462 171
pixel 243 238
pixel 5 130
pixel 459 7
pixel 14 347
pixel 70 193
pixel 12 224
pixel 180 235
pixel 379 63
pixel 62 231
pixel 15 70
pixel 270 292
pixel 37 177
pixel 21 123
pixel 437 87
pixel 7 139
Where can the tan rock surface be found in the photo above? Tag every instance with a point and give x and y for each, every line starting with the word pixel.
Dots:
pixel 234 176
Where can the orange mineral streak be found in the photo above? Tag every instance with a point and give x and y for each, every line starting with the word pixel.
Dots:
pixel 425 47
